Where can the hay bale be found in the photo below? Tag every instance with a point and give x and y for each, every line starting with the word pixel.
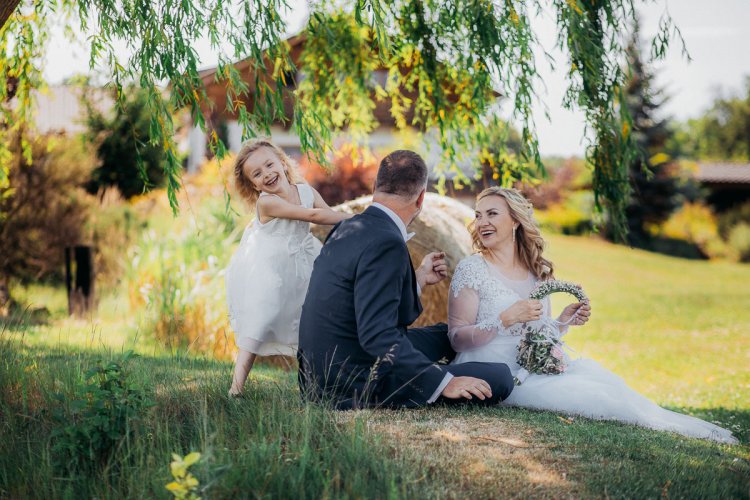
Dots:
pixel 440 227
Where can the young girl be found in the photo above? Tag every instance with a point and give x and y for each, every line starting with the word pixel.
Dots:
pixel 267 278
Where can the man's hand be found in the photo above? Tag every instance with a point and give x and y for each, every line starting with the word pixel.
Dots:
pixel 466 387
pixel 433 269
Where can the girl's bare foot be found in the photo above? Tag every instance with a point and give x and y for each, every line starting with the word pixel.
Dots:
pixel 242 367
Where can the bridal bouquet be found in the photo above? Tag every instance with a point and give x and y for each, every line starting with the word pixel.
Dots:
pixel 540 350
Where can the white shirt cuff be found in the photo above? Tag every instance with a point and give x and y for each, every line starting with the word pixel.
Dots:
pixel 419 290
pixel 448 377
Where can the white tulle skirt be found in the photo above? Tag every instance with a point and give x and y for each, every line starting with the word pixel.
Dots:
pixel 266 283
pixel 588 389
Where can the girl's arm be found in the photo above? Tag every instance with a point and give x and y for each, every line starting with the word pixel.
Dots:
pixel 319 201
pixel 273 207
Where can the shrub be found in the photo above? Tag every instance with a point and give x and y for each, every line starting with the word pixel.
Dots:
pixel 105 411
pixel 565 178
pixel 574 216
pixel 352 176
pixel 128 159
pixel 732 217
pixel 179 281
pixel 739 241
pixel 695 223
pixel 45 208
pixel 112 228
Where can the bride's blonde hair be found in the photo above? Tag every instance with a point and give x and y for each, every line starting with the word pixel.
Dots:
pixel 529 241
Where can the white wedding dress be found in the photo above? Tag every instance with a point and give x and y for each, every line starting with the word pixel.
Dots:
pixel 267 279
pixel 479 293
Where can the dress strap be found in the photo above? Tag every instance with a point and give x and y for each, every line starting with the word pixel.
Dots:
pixel 306 196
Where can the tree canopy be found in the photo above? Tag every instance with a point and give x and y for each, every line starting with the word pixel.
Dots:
pixel 656 188
pixel 721 133
pixel 120 138
pixel 446 61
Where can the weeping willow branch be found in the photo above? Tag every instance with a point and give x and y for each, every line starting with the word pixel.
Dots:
pixel 446 63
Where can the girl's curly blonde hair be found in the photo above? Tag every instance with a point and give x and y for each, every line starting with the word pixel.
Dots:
pixel 529 241
pixel 243 185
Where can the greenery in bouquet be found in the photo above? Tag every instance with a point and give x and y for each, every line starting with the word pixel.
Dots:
pixel 540 352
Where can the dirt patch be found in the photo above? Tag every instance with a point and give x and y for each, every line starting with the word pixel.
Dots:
pixel 477 456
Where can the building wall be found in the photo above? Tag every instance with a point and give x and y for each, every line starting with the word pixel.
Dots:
pixel 59 109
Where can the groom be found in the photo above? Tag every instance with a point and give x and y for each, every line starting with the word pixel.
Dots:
pixel 354 348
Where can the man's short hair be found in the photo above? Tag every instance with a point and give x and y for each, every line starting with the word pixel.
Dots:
pixel 403 173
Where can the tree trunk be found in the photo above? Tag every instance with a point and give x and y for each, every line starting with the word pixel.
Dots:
pixel 6 9
pixel 79 280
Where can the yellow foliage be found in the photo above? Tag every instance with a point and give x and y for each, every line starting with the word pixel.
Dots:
pixel 693 222
pixel 185 484
pixel 514 16
pixel 659 158
pixel 574 5
pixel 625 129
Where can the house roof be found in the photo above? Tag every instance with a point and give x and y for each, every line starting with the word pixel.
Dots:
pixel 724 173
pixel 208 75
pixel 217 94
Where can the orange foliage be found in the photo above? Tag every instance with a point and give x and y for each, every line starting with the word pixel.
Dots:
pixel 353 175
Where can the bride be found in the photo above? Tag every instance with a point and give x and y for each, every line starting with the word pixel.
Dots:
pixel 489 304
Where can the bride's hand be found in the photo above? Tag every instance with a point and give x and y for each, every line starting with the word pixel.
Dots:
pixel 581 311
pixel 521 312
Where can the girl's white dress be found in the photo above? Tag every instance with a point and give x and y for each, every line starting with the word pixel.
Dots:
pixel 267 280
pixel 479 293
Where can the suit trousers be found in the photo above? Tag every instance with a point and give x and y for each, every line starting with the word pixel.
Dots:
pixel 433 342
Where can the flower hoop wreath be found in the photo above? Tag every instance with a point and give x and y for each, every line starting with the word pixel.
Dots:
pixel 540 350
pixel 558 286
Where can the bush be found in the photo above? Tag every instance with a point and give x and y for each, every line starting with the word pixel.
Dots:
pixel 122 140
pixel 739 241
pixel 103 413
pixel 352 176
pixel 45 208
pixel 574 216
pixel 112 228
pixel 179 281
pixel 695 223
pixel 565 178
pixel 732 217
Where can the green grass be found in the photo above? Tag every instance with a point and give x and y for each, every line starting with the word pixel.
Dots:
pixel 677 331
pixel 265 445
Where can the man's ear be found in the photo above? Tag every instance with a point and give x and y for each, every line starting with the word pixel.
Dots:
pixel 420 198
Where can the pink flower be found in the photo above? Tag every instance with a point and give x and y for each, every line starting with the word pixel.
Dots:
pixel 557 353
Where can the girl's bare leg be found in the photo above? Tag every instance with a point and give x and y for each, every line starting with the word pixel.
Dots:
pixel 242 368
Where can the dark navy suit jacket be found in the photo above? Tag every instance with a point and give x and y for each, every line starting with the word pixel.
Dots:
pixel 353 343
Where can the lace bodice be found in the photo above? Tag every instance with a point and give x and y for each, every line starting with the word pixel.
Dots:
pixel 478 295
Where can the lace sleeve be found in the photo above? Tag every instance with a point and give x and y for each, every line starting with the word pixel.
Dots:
pixel 464 331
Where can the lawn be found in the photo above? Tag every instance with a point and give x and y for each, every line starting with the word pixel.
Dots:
pixel 677 331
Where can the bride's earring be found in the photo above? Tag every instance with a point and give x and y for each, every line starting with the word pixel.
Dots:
pixel 514 234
